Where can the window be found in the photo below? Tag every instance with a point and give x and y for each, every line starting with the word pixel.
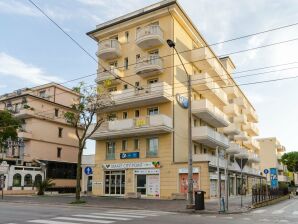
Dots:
pixel 60 132
pixel 197 149
pixel 38 179
pixel 16 181
pixel 124 115
pixel 28 180
pixel 113 64
pixel 138 56
pixel 60 170
pixel 110 153
pixel 42 94
pixel 126 36
pixel 137 84
pixel 24 100
pixel 56 112
pixel 153 111
pixel 150 81
pixel 114 37
pixel 152 147
pixel 124 145
pixel 136 144
pixel 59 150
pixel 137 113
pixel 126 63
pixel 125 86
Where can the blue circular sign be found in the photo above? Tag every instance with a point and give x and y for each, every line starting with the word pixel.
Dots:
pixel 266 171
pixel 88 170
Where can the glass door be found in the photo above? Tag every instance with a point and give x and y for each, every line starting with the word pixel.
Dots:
pixel 114 183
pixel 141 184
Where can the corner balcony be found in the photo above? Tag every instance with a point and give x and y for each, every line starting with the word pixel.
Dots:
pixel 232 129
pixel 205 110
pixel 142 126
pixel 149 37
pixel 209 137
pixel 233 149
pixel 281 148
pixel 109 49
pixel 148 66
pixel 251 129
pixel 252 144
pixel 240 119
pixel 209 158
pixel 251 115
pixel 254 158
pixel 242 136
pixel 25 134
pixel 205 85
pixel 232 92
pixel 240 102
pixel 109 75
pixel 155 93
pixel 231 110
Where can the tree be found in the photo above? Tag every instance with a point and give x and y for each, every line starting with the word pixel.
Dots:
pixel 92 101
pixel 290 159
pixel 8 127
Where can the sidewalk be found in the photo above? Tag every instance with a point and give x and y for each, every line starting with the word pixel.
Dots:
pixel 211 206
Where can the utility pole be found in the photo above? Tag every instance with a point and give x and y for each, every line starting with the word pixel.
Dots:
pixel 227 183
pixel 218 178
pixel 190 173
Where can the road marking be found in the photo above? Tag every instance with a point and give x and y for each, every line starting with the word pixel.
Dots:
pixel 278 212
pixel 142 211
pixel 211 216
pixel 228 217
pixel 259 211
pixel 102 217
pixel 295 213
pixel 50 222
pixel 83 220
pixel 120 215
pixel 246 218
pixel 264 220
pixel 133 213
pixel 283 220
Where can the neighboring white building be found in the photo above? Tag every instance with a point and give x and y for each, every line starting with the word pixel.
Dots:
pixel 86 184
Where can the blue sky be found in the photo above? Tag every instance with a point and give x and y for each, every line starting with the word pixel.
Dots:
pixel 33 51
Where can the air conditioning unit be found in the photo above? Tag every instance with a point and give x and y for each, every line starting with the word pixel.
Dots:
pixel 19 162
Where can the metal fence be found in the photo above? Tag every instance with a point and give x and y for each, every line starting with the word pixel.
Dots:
pixel 262 194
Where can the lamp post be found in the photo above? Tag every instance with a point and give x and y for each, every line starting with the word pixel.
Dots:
pixel 190 179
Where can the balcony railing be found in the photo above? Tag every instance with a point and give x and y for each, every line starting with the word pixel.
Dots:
pixel 209 158
pixel 231 109
pixel 109 75
pixel 149 36
pixel 251 115
pixel 242 136
pixel 160 92
pixel 240 102
pixel 232 129
pixel 252 144
pixel 233 149
pixel 205 110
pixel 208 136
pixel 251 129
pixel 232 92
pixel 282 178
pixel 241 119
pixel 109 49
pixel 155 124
pixel 254 158
pixel 204 84
pixel 148 66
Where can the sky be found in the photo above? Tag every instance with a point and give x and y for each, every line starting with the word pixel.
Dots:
pixel 33 51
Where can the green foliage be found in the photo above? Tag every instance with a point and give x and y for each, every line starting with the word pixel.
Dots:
pixel 291 161
pixel 43 185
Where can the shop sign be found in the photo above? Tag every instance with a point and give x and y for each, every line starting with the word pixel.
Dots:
pixel 4 167
pixel 185 170
pixel 129 155
pixel 182 101
pixel 146 171
pixel 141 165
pixel 153 188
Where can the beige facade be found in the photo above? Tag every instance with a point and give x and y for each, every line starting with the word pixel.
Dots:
pixel 49 142
pixel 270 155
pixel 148 124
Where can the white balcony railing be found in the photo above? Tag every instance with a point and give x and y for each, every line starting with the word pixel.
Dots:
pixel 148 66
pixel 109 75
pixel 253 157
pixel 211 159
pixel 251 129
pixel 204 84
pixel 232 129
pixel 252 144
pixel 251 115
pixel 240 102
pixel 241 119
pixel 208 136
pixel 109 49
pixel 232 92
pixel 233 149
pixel 242 136
pixel 205 110
pixel 231 109
pixel 149 36
pixel 155 124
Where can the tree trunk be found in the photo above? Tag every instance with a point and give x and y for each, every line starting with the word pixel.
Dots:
pixel 79 171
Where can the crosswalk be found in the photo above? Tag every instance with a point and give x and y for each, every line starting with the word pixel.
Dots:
pixel 104 217
pixel 275 212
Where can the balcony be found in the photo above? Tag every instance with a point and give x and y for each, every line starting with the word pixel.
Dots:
pixel 231 110
pixel 282 178
pixel 204 84
pixel 240 119
pixel 240 102
pixel 149 37
pixel 155 93
pixel 209 158
pixel 242 136
pixel 254 158
pixel 251 171
pixel 251 129
pixel 232 129
pixel 25 134
pixel 279 156
pixel 148 66
pixel 252 144
pixel 251 115
pixel 208 136
pixel 109 75
pixel 24 113
pixel 205 110
pixel 232 92
pixel 233 149
pixel 243 154
pixel 109 49
pixel 281 148
pixel 156 124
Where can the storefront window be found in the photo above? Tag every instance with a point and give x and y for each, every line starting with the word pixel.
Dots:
pixel 17 178
pixel 28 180
pixel 115 182
pixel 141 184
pixel 152 147
pixel 110 150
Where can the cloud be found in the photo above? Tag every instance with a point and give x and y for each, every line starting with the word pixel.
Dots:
pixel 92 2
pixel 10 66
pixel 16 7
pixel 2 86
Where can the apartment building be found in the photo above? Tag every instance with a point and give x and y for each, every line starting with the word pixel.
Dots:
pixel 142 148
pixel 49 148
pixel 270 155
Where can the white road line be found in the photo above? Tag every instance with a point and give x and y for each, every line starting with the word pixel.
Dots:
pixel 102 217
pixel 278 212
pixel 264 220
pixel 246 219
pixel 228 217
pixel 142 211
pixel 120 215
pixel 295 213
pixel 283 220
pixel 259 211
pixel 133 213
pixel 211 216
pixel 84 220
pixel 50 222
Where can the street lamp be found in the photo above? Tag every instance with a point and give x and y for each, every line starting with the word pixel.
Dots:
pixel 190 179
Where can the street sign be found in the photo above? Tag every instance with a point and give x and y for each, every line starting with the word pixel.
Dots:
pixel 88 170
pixel 266 171
pixel 129 155
pixel 274 178
pixel 241 162
pixel 182 101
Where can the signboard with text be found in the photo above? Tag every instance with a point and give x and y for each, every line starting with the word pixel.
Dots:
pixel 274 177
pixel 140 165
pixel 129 155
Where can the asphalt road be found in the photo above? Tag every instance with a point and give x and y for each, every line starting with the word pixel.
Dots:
pixel 15 213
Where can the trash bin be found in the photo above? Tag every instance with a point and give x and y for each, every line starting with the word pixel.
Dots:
pixel 199 200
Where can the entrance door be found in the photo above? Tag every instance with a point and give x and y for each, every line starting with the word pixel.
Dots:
pixel 141 184
pixel 115 183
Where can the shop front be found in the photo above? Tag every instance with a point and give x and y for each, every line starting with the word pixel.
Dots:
pixel 148 182
pixel 183 179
